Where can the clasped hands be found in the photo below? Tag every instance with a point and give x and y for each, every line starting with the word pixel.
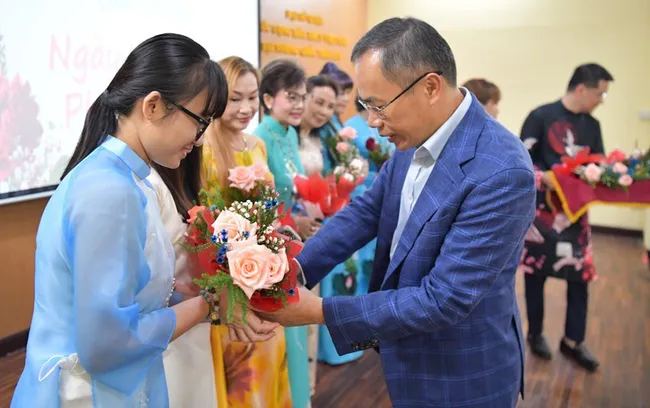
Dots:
pixel 260 326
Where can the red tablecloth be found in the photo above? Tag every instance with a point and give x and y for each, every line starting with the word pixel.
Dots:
pixel 575 196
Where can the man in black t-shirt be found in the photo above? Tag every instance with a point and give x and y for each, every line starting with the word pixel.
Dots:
pixel 562 249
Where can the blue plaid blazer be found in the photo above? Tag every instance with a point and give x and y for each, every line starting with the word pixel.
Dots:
pixel 442 312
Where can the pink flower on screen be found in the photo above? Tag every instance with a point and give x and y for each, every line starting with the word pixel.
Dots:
pixel 18 120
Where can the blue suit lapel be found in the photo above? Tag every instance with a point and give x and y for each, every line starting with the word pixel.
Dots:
pixel 444 179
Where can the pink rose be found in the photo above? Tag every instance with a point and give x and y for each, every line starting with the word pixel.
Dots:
pixel 260 171
pixel 278 267
pixel 625 180
pixel 348 133
pixel 592 172
pixel 342 147
pixel 234 225
pixel 242 177
pixel 249 267
pixel 619 168
pixel 194 213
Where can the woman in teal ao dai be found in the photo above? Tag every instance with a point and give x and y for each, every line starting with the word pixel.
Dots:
pixel 347 278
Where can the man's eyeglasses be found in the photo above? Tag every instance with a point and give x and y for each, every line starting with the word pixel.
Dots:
pixel 379 110
pixel 204 123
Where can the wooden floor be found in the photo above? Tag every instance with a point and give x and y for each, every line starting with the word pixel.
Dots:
pixel 618 334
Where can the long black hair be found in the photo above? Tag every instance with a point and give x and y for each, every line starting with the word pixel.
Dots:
pixel 183 182
pixel 172 64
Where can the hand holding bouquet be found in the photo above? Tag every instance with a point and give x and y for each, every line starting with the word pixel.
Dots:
pixel 239 247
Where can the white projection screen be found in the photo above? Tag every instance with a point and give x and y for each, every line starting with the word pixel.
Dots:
pixel 56 57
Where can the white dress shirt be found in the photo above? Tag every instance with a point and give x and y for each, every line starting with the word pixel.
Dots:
pixel 424 159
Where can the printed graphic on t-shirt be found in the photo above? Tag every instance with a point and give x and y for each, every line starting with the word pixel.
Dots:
pixel 563 139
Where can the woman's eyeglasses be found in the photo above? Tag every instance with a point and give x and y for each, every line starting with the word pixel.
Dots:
pixel 296 99
pixel 204 123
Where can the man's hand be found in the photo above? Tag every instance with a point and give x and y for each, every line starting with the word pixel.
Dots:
pixel 254 330
pixel 307 227
pixel 309 310
pixel 546 180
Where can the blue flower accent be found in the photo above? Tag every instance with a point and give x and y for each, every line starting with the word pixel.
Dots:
pixel 220 259
pixel 630 171
pixel 213 238
pixel 291 292
pixel 224 233
pixel 268 205
pixel 274 202
pixel 245 234
pixel 223 249
pixel 224 239
pixel 213 208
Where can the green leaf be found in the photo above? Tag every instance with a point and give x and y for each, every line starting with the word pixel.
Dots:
pixel 212 196
pixel 198 248
pixel 351 267
pixel 236 296
pixel 338 284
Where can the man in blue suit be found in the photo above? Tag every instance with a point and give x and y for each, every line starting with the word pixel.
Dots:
pixel 449 210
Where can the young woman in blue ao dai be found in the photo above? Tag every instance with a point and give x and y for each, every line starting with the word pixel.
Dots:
pixel 105 308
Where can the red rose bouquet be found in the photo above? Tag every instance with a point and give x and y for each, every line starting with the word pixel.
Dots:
pixel 377 155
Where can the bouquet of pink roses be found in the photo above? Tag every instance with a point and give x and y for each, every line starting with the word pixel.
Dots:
pixel 586 178
pixel 340 145
pixel 238 246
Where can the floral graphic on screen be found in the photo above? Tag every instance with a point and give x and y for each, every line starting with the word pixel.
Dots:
pixel 20 131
